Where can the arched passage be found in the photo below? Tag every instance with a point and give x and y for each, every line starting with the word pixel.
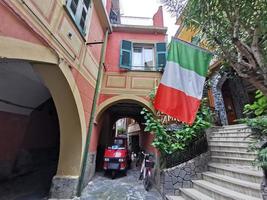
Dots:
pixel 121 106
pixel 231 93
pixel 58 79
pixel 65 93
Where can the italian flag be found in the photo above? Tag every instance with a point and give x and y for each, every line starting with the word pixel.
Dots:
pixel 181 87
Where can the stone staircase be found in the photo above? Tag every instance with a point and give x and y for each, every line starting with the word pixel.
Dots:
pixel 230 174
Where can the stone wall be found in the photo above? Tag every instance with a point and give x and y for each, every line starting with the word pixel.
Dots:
pixel 217 81
pixel 181 176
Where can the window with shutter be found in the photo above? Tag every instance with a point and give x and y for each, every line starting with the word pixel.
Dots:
pixel 78 10
pixel 126 54
pixel 142 56
pixel 161 55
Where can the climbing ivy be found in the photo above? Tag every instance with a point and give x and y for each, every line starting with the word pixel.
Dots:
pixel 168 141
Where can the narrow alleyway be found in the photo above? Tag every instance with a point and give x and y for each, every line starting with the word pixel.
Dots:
pixel 122 188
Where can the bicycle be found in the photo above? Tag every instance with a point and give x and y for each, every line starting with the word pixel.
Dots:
pixel 146 171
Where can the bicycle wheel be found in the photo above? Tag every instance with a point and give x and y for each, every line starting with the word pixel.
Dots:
pixel 147 182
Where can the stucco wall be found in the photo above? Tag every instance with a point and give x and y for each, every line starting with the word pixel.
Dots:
pixel 114 42
pixel 96 34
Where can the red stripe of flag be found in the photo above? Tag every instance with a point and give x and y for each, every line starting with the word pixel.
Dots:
pixel 169 101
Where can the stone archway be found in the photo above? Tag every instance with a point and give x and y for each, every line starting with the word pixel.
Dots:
pixel 131 98
pixel 100 121
pixel 217 80
pixel 72 129
pixel 230 96
pixel 61 84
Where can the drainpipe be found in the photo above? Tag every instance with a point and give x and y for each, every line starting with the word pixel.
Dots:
pixel 92 117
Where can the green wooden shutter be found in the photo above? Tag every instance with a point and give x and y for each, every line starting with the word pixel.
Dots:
pixel 126 54
pixel 161 55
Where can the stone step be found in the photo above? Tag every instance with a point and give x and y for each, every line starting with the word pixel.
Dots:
pixel 244 187
pixel 245 173
pixel 231 134
pixel 219 192
pixel 235 126
pixel 174 198
pixel 236 154
pixel 231 139
pixel 228 147
pixel 232 130
pixel 231 143
pixel 193 194
pixel 232 160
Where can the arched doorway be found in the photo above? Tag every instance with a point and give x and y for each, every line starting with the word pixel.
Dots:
pixel 231 93
pixel 29 132
pixel 42 121
pixel 108 113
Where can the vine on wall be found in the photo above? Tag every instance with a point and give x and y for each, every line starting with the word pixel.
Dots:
pixel 168 141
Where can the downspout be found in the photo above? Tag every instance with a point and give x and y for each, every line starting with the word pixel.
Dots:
pixel 92 117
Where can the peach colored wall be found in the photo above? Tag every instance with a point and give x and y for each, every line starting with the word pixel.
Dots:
pixel 158 18
pixel 96 34
pixel 86 91
pixel 12 129
pixel 145 142
pixel 113 46
pixel 108 6
pixel 42 130
pixel 18 30
pixel 39 130
pixel 104 97
pixel 95 135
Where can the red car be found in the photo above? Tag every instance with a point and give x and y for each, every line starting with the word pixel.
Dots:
pixel 116 157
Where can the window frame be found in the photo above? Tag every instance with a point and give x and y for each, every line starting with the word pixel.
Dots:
pixel 77 16
pixel 143 44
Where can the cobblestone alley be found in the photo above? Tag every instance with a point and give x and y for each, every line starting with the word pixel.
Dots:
pixel 122 188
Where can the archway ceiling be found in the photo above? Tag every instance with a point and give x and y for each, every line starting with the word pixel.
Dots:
pixel 20 87
pixel 130 110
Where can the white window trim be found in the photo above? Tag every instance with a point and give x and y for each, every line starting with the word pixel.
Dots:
pixel 77 16
pixel 154 56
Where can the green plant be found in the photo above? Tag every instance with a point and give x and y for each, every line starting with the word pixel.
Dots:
pixel 261 160
pixel 169 141
pixel 121 130
pixel 258 125
pixel 258 107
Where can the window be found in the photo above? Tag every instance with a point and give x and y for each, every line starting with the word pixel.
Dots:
pixel 78 10
pixel 141 56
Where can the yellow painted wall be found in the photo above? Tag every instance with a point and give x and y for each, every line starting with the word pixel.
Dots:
pixel 186 34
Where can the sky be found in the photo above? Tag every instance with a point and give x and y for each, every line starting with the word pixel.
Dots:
pixel 147 8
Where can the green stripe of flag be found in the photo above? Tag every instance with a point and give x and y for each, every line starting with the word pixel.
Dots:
pixel 189 57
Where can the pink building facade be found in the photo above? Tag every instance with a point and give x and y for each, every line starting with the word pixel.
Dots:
pixel 66 75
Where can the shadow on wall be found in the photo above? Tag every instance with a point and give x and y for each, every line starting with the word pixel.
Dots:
pixel 29 150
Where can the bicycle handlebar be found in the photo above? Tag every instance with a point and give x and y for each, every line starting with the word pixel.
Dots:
pixel 146 154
